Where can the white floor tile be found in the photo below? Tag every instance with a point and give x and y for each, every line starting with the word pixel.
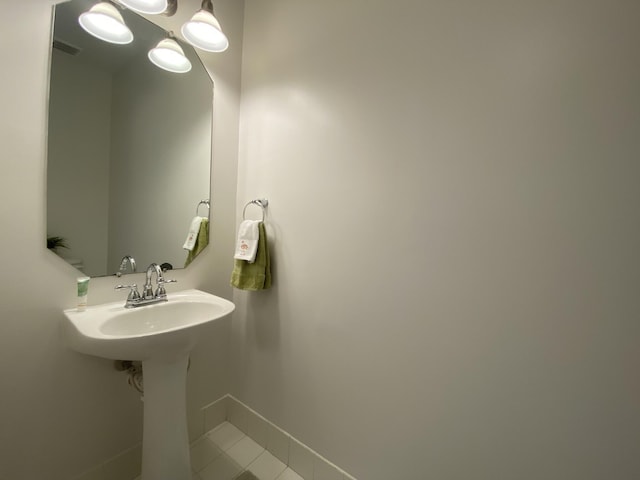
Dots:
pixel 289 474
pixel 266 467
pixel 225 436
pixel 203 452
pixel 246 475
pixel 222 468
pixel 245 451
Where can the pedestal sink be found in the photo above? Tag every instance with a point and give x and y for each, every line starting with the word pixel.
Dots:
pixel 161 336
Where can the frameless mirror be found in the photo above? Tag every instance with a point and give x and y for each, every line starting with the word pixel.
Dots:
pixel 129 147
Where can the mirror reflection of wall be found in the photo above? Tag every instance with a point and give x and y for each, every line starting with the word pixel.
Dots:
pixel 129 148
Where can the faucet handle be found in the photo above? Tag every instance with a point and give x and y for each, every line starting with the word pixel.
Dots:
pixel 134 295
pixel 160 291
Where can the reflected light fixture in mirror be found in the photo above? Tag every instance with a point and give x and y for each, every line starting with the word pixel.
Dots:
pixel 103 21
pixel 204 31
pixel 152 7
pixel 169 56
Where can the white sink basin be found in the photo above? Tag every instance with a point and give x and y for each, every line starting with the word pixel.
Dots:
pixel 112 331
pixel 161 335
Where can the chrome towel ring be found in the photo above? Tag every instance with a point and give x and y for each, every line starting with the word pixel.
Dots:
pixel 261 202
pixel 205 203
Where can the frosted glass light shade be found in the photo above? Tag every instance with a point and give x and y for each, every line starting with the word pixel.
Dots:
pixel 204 31
pixel 104 21
pixel 152 7
pixel 169 56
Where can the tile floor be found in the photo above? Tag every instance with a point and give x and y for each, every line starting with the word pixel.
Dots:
pixel 226 453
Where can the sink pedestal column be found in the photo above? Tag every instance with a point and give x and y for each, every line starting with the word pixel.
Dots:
pixel 165 441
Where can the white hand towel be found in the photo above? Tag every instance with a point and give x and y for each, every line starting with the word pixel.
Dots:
pixel 247 242
pixel 193 233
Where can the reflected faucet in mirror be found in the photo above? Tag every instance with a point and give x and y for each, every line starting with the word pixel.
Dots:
pixel 127 259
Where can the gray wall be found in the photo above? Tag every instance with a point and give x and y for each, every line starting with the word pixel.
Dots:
pixel 78 152
pixel 62 412
pixel 158 175
pixel 454 218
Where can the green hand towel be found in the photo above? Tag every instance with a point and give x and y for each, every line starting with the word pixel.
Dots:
pixel 257 275
pixel 201 241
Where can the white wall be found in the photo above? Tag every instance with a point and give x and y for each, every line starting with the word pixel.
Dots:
pixel 62 412
pixel 454 227
pixel 454 221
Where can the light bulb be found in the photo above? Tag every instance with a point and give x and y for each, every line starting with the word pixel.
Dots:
pixel 169 56
pixel 203 31
pixel 146 6
pixel 103 21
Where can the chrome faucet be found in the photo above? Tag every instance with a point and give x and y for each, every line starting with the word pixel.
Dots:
pixel 147 290
pixel 148 296
pixel 123 265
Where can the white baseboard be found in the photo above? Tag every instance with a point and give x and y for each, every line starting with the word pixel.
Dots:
pixel 307 463
pixel 303 460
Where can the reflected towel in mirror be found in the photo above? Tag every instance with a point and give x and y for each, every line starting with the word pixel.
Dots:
pixel 201 241
pixel 192 235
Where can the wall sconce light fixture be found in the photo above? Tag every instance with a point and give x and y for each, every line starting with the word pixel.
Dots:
pixel 104 21
pixel 204 31
pixel 169 56
pixel 152 7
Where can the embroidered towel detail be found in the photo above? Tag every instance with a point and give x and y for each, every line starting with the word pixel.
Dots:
pixel 193 233
pixel 247 242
